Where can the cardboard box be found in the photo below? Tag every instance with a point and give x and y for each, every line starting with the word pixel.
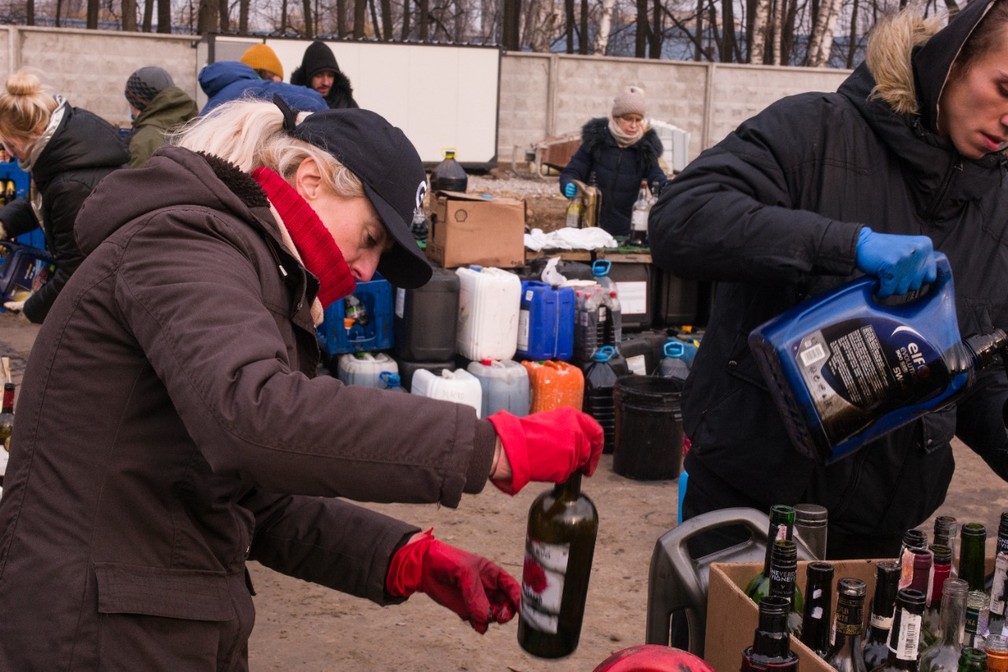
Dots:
pixel 732 617
pixel 476 229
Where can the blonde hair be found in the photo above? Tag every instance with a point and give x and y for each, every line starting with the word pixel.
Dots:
pixel 26 106
pixel 249 133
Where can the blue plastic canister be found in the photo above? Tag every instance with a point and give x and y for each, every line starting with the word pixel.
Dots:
pixel 505 386
pixel 845 368
pixel 545 321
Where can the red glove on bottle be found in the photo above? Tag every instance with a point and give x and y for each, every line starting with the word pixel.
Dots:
pixel 473 587
pixel 548 446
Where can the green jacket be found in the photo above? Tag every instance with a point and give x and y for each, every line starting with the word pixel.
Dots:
pixel 169 109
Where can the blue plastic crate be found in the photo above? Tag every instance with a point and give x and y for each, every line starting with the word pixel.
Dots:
pixel 11 171
pixel 339 335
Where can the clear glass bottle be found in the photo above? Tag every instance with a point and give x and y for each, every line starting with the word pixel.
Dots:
pixel 771 647
pixel 972 540
pixel 639 216
pixel 876 641
pixel 940 572
pixel 845 654
pixel 999 582
pixel 817 614
pixel 904 636
pixel 976 618
pixel 943 654
pixel 559 547
pixel 810 525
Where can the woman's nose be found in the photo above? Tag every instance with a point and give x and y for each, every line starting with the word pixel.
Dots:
pixel 364 267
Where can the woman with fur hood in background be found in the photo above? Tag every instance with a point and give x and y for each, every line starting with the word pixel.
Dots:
pixel 617 152
pixel 906 157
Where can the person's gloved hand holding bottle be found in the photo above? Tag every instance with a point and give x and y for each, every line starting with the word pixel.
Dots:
pixel 902 263
pixel 547 446
pixel 476 589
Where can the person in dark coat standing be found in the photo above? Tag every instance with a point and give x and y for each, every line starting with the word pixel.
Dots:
pixel 906 157
pixel 157 107
pixel 224 81
pixel 172 424
pixel 618 151
pixel 67 151
pixel 319 71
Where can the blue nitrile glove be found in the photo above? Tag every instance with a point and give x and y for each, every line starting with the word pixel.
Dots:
pixel 570 190
pixel 901 263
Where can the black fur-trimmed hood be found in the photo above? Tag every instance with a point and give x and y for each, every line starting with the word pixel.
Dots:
pixel 596 136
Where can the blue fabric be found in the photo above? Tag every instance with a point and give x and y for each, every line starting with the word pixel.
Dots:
pixel 229 80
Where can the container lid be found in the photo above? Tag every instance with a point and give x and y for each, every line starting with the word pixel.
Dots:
pixel 810 513
pixel 601 267
pixel 604 354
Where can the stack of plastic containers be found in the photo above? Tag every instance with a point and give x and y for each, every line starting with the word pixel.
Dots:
pixel 424 324
pixel 458 386
pixel 545 321
pixel 489 302
pixel 505 386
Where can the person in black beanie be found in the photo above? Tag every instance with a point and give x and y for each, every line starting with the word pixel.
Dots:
pixel 319 71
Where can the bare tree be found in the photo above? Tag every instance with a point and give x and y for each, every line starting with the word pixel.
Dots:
pixel 92 14
pixel 129 15
pixel 821 39
pixel 641 33
pixel 164 18
pixel 359 14
pixel 243 17
pixel 604 26
pixel 758 29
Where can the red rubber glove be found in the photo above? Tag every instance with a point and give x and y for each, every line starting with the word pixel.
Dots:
pixel 548 446
pixel 473 587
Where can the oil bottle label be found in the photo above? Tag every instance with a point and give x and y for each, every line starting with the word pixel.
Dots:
pixel 857 370
pixel 543 584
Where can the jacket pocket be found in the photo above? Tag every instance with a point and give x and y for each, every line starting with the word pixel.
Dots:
pixel 169 593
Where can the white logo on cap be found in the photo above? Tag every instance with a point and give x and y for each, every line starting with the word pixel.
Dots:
pixel 421 191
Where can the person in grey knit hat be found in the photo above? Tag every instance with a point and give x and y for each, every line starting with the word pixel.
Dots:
pixel 620 150
pixel 157 107
pixel 144 84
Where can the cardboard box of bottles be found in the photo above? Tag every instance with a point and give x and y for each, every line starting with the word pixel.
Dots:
pixel 732 616
pixel 476 229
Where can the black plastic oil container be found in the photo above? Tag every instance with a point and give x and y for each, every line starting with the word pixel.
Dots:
pixel 648 428
pixel 425 319
pixel 634 285
pixel 599 380
pixel 449 174
pixel 643 351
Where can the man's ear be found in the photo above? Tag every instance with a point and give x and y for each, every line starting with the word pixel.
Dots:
pixel 308 180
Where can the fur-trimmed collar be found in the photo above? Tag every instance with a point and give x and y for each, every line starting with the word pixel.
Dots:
pixel 595 135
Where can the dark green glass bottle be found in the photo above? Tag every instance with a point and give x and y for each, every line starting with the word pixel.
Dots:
pixel 972 660
pixel 782 581
pixel 771 649
pixel 818 609
pixel 904 636
pixel 972 538
pixel 559 547
pixel 876 641
pixel 781 526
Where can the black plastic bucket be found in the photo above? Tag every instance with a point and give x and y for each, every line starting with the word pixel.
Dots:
pixel 648 428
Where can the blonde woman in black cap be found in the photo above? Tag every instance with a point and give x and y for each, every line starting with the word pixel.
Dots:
pixel 618 152
pixel 173 427
pixel 157 106
pixel 66 150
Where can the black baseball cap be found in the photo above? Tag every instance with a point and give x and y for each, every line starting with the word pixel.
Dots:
pixel 394 181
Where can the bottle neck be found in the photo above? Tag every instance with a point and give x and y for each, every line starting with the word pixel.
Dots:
pixel 570 489
pixel 953 618
pixel 8 398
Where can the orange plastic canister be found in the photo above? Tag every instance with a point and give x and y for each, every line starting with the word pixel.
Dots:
pixel 553 384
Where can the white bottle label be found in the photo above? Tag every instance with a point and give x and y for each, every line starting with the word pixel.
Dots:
pixel 638 220
pixel 908 638
pixel 543 584
pixel 997 598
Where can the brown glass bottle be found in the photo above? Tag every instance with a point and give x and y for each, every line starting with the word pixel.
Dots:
pixel 876 649
pixel 559 547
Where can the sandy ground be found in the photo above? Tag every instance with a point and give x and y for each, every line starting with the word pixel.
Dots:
pixel 305 627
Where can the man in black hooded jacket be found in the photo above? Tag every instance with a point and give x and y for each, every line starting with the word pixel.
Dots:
pixel 319 71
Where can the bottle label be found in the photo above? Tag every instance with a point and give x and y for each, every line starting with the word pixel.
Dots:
pixel 543 584
pixel 881 622
pixel 997 598
pixel 857 370
pixel 523 329
pixel 638 220
pixel 908 638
